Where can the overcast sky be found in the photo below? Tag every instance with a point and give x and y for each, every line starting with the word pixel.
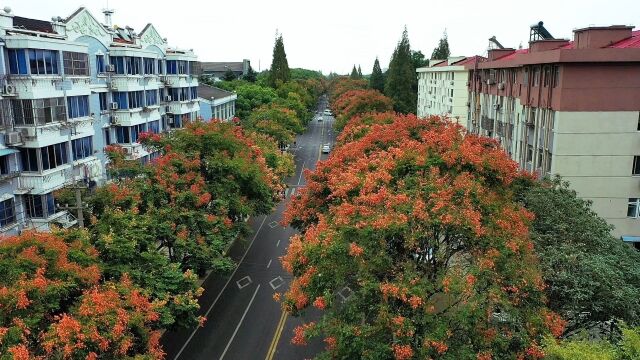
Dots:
pixel 334 35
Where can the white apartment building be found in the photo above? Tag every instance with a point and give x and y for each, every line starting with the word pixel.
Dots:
pixel 443 88
pixel 69 87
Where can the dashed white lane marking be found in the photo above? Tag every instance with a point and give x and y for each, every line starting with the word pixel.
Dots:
pixel 276 283
pixel 239 323
pixel 242 283
pixel 278 243
pixel 269 264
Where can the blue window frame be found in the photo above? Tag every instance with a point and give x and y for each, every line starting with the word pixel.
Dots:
pixel 29 159
pixel 54 155
pixel 122 135
pixel 104 100
pixel 7 213
pixel 40 206
pixel 136 130
pixel 172 66
pixel 160 69
pixel 43 62
pixel 100 67
pixel 78 106
pixel 154 126
pixel 151 97
pixel 177 121
pixel 120 97
pixel 118 63
pixel 82 148
pixel 107 136
pixel 194 93
pixel 136 99
pixel 17 61
pixel 133 65
pixel 149 66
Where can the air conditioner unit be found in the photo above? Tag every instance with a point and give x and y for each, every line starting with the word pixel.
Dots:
pixel 146 108
pixel 491 81
pixel 451 83
pixel 113 86
pixel 110 68
pixel 9 90
pixel 13 138
pixel 501 86
pixel 127 150
pixel 167 98
pixel 170 120
pixel 114 106
pixel 496 106
pixel 29 132
pixel 114 120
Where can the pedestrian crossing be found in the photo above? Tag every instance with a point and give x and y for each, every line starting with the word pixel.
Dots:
pixel 289 192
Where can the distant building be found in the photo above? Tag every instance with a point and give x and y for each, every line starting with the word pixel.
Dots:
pixel 443 90
pixel 216 103
pixel 216 70
pixel 570 108
pixel 68 88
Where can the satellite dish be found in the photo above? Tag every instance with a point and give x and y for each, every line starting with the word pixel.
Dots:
pixel 7 9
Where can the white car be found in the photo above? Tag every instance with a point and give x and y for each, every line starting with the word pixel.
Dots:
pixel 326 148
pixel 328 112
pixel 320 118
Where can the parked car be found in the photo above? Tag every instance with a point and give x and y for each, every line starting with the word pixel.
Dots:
pixel 326 148
pixel 328 112
pixel 320 118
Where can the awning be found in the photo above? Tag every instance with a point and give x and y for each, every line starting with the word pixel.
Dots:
pixel 633 239
pixel 4 152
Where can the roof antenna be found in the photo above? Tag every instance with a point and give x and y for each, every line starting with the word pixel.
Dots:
pixel 107 14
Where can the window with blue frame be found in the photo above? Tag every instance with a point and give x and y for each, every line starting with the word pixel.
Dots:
pixel 17 61
pixel 43 62
pixel 82 148
pixel 177 121
pixel 120 97
pixel 194 93
pixel 172 66
pixel 40 206
pixel 122 135
pixel 78 106
pixel 107 136
pixel 151 97
pixel 100 64
pixel 104 101
pixel 29 159
pixel 133 65
pixel 118 63
pixel 54 155
pixel 160 70
pixel 4 165
pixel 154 126
pixel 136 99
pixel 7 213
pixel 75 63
pixel 149 66
pixel 136 130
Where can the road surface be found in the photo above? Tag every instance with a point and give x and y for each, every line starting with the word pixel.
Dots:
pixel 243 320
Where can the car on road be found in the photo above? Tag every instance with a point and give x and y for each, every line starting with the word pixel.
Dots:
pixel 320 118
pixel 328 112
pixel 326 148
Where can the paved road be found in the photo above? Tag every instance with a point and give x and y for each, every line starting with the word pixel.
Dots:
pixel 243 320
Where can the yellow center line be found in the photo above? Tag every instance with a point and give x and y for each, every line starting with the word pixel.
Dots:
pixel 276 336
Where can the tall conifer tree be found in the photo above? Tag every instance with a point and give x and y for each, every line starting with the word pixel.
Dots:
pixel 359 72
pixel 441 52
pixel 376 81
pixel 401 84
pixel 354 73
pixel 279 66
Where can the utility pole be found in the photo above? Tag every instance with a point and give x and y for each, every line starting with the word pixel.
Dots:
pixel 79 207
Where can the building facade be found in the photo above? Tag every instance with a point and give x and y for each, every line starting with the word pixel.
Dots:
pixel 443 90
pixel 570 108
pixel 70 87
pixel 217 70
pixel 216 103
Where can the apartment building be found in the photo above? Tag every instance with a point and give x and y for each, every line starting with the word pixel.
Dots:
pixel 69 87
pixel 443 90
pixel 569 107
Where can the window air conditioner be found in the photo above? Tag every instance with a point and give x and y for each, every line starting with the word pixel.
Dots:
pixel 114 106
pixel 9 90
pixel 110 68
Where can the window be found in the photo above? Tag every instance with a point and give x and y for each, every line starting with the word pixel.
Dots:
pixel 151 97
pixel 118 63
pixel 633 207
pixel 78 106
pixel 133 65
pixel 160 71
pixel 136 130
pixel 17 61
pixel 556 75
pixel 154 126
pixel 546 75
pixel 636 166
pixel 54 155
pixel 525 76
pixel 122 135
pixel 7 213
pixel 38 111
pixel 75 63
pixel 40 206
pixel 136 99
pixel 43 62
pixel 107 136
pixel 120 97
pixel 104 101
pixel 82 148
pixel 4 165
pixel 100 67
pixel 148 66
pixel 183 67
pixel 194 93
pixel 536 76
pixel 172 66
pixel 29 159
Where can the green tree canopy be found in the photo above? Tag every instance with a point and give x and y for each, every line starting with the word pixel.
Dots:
pixel 354 73
pixel 418 59
pixel 251 76
pixel 376 81
pixel 279 72
pixel 441 52
pixel 229 75
pixel 401 84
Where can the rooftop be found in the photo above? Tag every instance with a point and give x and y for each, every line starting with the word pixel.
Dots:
pixel 32 24
pixel 223 66
pixel 209 92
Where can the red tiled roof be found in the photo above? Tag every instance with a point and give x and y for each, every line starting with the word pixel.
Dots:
pixel 442 63
pixel 632 42
pixel 32 24
pixel 123 41
pixel 470 60
pixel 513 54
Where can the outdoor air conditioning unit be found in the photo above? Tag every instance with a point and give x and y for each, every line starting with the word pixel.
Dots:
pixel 146 108
pixel 496 106
pixel 29 132
pixel 113 86
pixel 110 68
pixel 114 120
pixel 167 98
pixel 9 90
pixel 13 138
pixel 491 81
pixel 114 106
pixel 451 83
pixel 501 86
pixel 170 120
pixel 127 150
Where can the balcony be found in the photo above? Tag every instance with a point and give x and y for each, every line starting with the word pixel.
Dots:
pixel 87 168
pixel 134 151
pixel 179 80
pixel 130 117
pixel 42 183
pixel 183 107
pixel 9 176
pixel 61 219
pixel 44 86
pixel 127 82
